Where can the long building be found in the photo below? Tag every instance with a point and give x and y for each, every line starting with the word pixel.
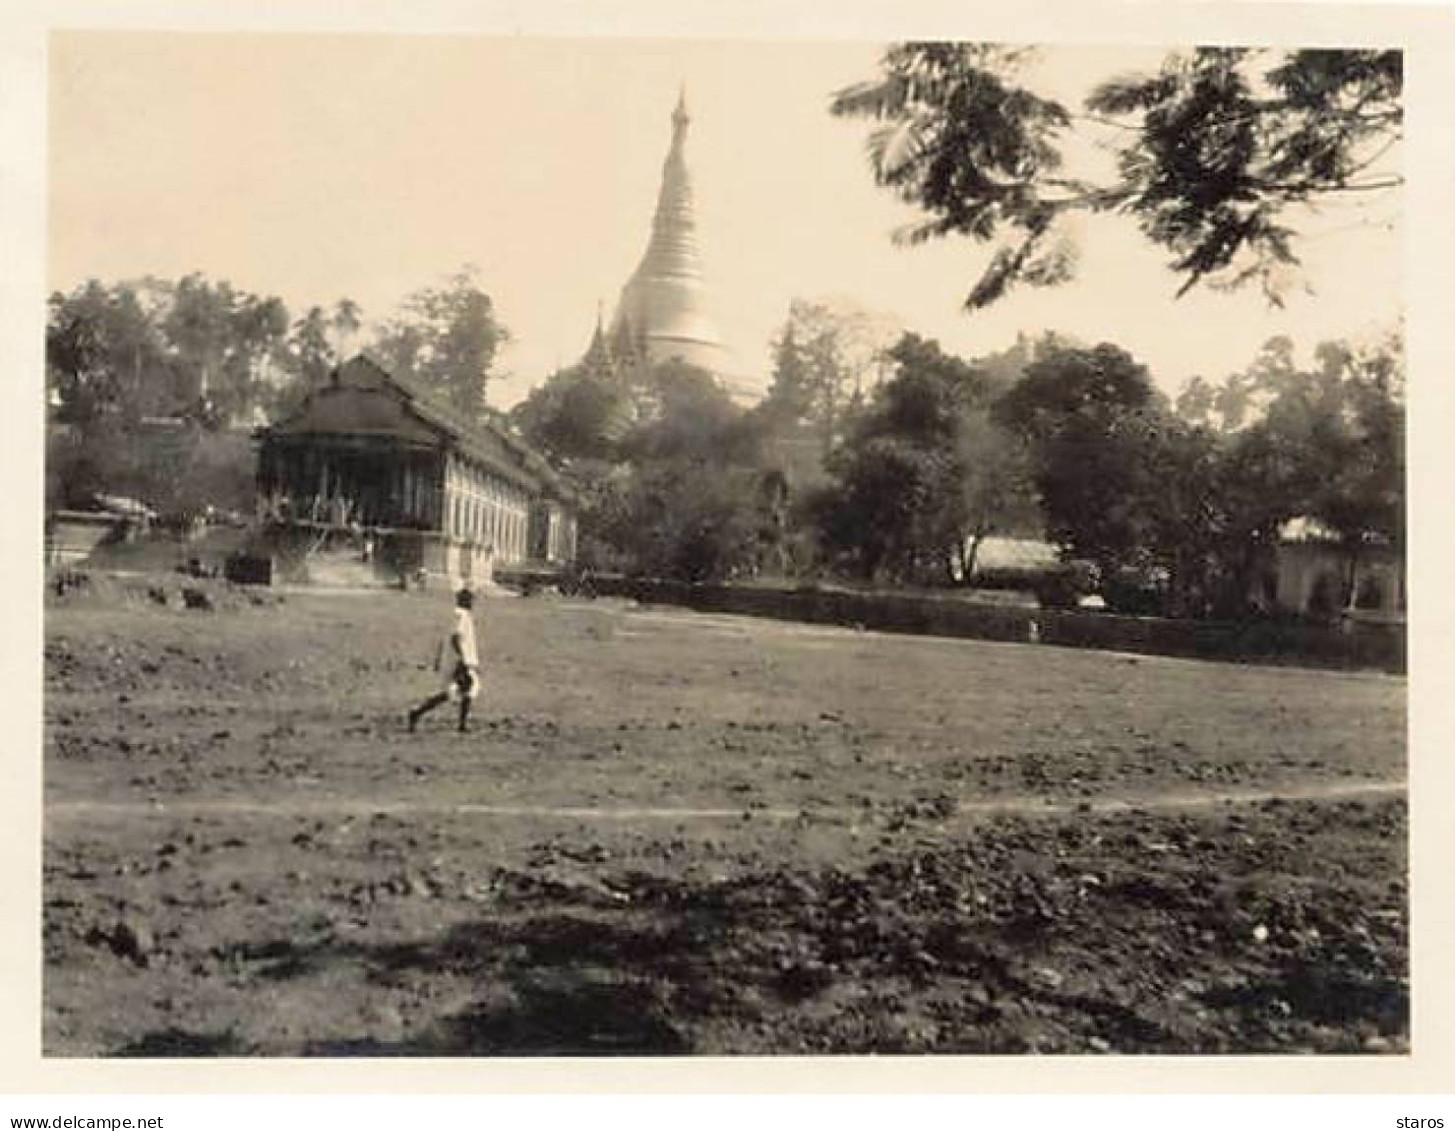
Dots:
pixel 371 458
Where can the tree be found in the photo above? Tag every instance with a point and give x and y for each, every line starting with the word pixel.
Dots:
pixel 260 331
pixel 669 410
pixel 143 374
pixel 1093 423
pixel 691 520
pixel 790 393
pixel 109 368
pixel 667 465
pixel 308 357
pixel 685 413
pixel 879 514
pixel 997 493
pixel 1325 442
pixel 1366 494
pixel 225 344
pixel 1067 382
pixel 1182 515
pixel 1214 154
pixel 446 338
pixel 197 327
pixel 1124 482
pixel 107 362
pixel 576 414
pixel 926 473
pixel 781 425
pixel 346 320
pixel 690 504
pixel 826 358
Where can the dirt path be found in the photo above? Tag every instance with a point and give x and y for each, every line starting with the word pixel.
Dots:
pixel 1023 806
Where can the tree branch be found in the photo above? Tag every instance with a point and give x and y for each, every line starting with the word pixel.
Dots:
pixel 1304 187
pixel 1097 119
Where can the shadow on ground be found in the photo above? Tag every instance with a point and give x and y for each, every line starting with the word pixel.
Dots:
pixel 561 984
pixel 992 945
pixel 177 1043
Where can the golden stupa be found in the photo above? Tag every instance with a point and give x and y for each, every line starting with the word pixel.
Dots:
pixel 663 310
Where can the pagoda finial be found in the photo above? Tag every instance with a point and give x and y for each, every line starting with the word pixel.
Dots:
pixel 680 116
pixel 598 358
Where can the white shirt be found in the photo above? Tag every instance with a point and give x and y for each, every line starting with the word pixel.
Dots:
pixel 464 633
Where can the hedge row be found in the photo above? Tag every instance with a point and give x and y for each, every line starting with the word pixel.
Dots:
pixel 1252 641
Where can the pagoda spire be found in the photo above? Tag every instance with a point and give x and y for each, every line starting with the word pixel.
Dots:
pixel 663 304
pixel 598 359
pixel 673 249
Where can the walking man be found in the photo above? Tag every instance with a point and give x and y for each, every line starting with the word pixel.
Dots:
pixel 464 678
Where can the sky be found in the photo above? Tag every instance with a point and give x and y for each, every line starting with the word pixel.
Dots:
pixel 317 167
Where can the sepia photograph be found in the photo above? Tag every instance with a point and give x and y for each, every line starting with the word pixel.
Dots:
pixel 694 547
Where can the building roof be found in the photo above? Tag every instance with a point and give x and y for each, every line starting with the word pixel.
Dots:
pixel 1308 530
pixel 363 399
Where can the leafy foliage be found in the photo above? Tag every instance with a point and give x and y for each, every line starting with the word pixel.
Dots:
pixel 106 359
pixel 925 473
pixel 1191 502
pixel 224 343
pixel 575 414
pixel 1213 152
pixel 1172 510
pixel 445 338
pixel 1325 443
pixel 693 521
pixel 146 377
pixel 684 413
pixel 826 356
pixel 1125 483
pixel 1092 420
pixel 668 465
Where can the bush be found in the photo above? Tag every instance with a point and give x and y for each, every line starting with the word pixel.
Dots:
pixel 677 519
pixel 1238 641
pixel 1133 594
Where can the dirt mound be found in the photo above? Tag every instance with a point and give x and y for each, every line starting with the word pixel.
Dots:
pixel 160 552
pixel 161 589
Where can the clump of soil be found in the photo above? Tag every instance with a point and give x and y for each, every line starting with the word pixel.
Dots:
pixel 1027 935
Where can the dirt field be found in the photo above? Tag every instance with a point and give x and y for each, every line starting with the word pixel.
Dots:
pixel 672 833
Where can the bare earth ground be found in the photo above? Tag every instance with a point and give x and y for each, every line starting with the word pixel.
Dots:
pixel 674 833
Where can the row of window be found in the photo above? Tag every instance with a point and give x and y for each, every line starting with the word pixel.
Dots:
pixel 484 511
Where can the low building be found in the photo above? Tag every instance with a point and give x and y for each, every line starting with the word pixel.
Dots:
pixel 370 461
pixel 1318 574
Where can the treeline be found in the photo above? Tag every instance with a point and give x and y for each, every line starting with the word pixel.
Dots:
pixel 149 380
pixel 896 469
pixel 875 455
